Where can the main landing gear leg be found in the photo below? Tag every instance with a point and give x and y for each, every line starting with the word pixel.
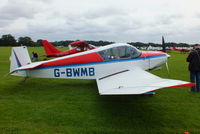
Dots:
pixel 151 93
pixel 23 80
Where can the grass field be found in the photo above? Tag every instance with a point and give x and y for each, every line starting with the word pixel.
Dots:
pixel 42 106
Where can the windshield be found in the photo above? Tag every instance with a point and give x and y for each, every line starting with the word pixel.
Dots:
pixel 121 52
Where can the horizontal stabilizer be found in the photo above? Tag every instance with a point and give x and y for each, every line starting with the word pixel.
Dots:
pixel 26 67
pixel 30 66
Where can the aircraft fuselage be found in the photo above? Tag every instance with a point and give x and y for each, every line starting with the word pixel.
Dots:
pixel 93 63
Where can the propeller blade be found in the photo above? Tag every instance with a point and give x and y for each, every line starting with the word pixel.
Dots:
pixel 167 67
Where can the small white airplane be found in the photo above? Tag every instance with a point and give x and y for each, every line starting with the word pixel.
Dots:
pixel 119 69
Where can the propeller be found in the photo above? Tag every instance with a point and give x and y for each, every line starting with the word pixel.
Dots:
pixel 167 66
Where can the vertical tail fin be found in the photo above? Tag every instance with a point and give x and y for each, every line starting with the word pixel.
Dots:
pixel 174 47
pixel 49 48
pixel 19 57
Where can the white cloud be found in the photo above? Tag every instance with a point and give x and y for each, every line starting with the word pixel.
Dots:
pixel 120 21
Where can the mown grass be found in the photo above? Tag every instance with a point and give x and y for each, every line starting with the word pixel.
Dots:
pixel 41 106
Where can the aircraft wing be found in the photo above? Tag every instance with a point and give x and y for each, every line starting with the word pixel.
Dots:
pixel 134 81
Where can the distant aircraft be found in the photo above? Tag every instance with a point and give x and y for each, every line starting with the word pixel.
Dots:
pixel 119 69
pixel 163 48
pixel 52 51
pixel 181 49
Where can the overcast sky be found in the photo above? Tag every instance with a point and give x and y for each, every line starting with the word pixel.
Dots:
pixel 112 20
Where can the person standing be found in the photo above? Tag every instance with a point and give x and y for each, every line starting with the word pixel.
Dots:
pixel 194 68
pixel 35 56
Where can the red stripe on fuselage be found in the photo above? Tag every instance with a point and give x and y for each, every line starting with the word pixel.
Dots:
pixel 86 58
pixel 151 53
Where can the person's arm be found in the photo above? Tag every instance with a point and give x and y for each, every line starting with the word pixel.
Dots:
pixel 189 58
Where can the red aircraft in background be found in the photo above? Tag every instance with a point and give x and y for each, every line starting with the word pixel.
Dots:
pixel 181 49
pixel 52 51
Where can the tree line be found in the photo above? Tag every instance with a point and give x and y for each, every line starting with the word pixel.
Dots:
pixel 9 40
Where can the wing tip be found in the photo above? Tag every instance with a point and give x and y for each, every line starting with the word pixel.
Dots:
pixel 183 85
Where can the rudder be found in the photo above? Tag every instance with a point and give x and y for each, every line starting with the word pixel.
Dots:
pixel 19 57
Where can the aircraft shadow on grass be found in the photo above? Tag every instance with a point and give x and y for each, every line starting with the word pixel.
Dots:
pixel 122 111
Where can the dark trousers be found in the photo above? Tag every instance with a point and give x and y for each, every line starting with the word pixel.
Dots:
pixel 195 78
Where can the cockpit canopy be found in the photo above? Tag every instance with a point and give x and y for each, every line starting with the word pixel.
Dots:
pixel 120 52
